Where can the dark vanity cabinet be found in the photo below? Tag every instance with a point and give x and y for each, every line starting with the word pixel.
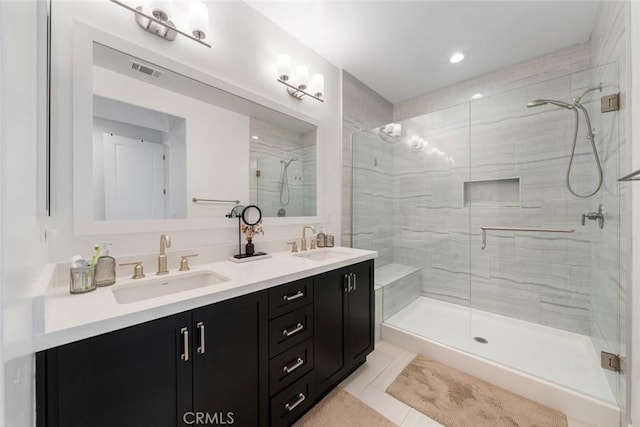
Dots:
pixel 260 359
pixel 344 323
pixel 209 362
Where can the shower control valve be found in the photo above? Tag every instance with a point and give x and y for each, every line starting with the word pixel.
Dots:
pixel 599 216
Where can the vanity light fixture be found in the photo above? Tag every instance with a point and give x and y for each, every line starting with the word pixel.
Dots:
pixel 299 85
pixel 156 19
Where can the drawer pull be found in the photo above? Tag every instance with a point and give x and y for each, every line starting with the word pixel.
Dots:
pixel 294 405
pixel 185 342
pixel 355 278
pixel 288 369
pixel 295 296
pixel 298 328
pixel 201 348
pixel 347 278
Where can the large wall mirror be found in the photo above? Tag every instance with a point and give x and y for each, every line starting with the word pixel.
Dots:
pixel 163 145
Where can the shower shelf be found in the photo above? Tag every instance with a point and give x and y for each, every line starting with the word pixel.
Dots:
pixel 535 230
pixel 633 176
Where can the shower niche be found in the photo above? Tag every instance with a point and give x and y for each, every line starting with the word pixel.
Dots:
pixel 492 192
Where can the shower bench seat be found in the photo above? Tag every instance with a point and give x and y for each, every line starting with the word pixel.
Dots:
pixel 397 285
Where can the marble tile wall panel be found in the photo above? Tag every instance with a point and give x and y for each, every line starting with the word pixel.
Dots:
pixel 401 285
pixel 362 108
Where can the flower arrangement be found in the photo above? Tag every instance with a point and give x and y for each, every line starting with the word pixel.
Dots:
pixel 251 230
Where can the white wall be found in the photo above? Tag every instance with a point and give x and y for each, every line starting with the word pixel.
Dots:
pixel 217 149
pixel 21 216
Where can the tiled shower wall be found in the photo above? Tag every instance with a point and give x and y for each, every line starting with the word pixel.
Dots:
pixel 541 278
pixel 362 108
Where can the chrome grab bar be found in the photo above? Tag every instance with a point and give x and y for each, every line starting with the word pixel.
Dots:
pixel 535 230
pixel 198 200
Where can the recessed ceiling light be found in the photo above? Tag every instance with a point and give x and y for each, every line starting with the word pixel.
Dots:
pixel 255 137
pixel 456 57
pixel 476 96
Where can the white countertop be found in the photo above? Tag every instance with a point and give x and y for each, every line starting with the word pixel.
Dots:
pixel 67 318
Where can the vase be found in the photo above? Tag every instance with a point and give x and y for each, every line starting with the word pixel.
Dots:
pixel 249 250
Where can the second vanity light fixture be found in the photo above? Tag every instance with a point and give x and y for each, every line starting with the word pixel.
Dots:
pixel 298 84
pixel 155 17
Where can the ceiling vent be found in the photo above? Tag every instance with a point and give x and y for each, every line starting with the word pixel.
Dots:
pixel 145 69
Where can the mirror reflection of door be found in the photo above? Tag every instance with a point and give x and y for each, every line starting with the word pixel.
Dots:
pixel 134 178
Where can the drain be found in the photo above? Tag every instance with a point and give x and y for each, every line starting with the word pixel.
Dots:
pixel 480 340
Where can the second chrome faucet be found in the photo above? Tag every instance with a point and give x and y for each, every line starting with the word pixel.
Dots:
pixel 165 242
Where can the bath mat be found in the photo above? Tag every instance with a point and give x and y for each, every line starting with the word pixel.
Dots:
pixel 341 409
pixel 456 399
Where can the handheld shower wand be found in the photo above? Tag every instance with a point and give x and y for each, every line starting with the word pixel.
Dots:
pixel 575 106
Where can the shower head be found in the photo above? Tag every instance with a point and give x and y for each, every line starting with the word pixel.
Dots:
pixel 287 163
pixel 539 102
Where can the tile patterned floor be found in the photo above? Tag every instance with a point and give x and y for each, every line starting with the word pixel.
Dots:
pixel 371 380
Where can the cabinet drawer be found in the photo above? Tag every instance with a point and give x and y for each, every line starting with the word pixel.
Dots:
pixel 291 403
pixel 290 329
pixel 289 297
pixel 290 366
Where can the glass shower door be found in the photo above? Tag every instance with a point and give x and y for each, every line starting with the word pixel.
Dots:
pixel 544 288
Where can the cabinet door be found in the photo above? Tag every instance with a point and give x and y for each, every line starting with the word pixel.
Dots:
pixel 361 306
pixel 330 296
pixel 230 361
pixel 132 377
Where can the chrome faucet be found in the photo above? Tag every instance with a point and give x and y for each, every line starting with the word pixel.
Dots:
pixel 165 242
pixel 303 244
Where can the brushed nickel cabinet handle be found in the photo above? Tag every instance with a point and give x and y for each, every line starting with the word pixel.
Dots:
pixel 347 278
pixel 293 297
pixel 291 406
pixel 201 347
pixel 355 280
pixel 185 342
pixel 298 328
pixel 296 364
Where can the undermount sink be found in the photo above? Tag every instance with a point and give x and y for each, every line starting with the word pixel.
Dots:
pixel 153 287
pixel 320 254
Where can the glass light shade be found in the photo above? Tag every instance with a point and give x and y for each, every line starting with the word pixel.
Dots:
pixel 317 85
pixel 302 77
pixel 198 19
pixel 160 9
pixel 284 66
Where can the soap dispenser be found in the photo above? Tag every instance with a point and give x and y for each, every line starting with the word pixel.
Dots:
pixel 105 272
pixel 322 238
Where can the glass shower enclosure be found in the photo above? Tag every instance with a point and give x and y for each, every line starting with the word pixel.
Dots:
pixel 482 247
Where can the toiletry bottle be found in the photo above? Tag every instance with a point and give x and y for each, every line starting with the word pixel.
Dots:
pixel 322 238
pixel 105 272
